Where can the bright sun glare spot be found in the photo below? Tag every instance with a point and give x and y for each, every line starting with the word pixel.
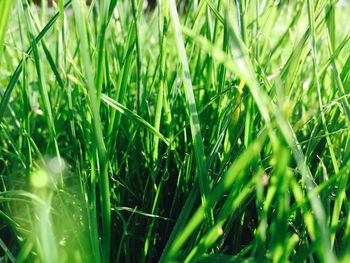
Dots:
pixel 39 178
pixel 56 165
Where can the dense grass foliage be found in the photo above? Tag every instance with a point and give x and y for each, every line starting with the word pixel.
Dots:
pixel 200 131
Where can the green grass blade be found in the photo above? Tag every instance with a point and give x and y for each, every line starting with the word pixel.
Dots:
pixel 133 116
pixel 97 128
pixel 197 140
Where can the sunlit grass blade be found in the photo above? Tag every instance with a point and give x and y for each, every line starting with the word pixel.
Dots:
pixel 203 176
pixel 97 128
pixel 5 11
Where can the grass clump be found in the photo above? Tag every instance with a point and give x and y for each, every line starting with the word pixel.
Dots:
pixel 200 131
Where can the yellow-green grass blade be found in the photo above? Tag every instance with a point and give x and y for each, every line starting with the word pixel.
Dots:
pixel 5 11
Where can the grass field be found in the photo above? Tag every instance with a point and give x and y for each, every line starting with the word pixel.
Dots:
pixel 200 131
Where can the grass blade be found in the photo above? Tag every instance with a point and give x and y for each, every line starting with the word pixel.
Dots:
pixel 97 128
pixel 197 140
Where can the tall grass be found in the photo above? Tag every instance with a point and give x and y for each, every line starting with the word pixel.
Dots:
pixel 200 131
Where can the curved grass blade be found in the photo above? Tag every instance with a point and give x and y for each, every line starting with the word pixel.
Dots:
pixel 133 116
